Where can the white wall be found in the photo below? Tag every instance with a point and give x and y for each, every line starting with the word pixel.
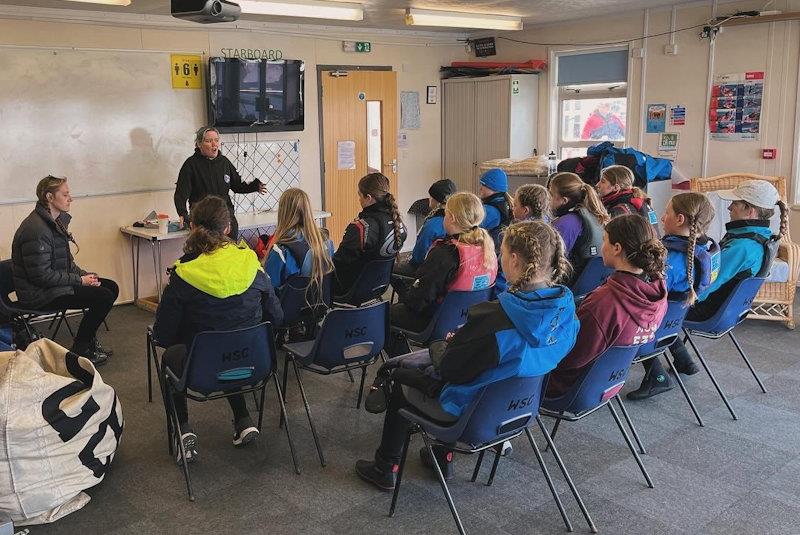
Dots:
pixel 96 220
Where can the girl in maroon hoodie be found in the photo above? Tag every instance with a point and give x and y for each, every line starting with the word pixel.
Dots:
pixel 627 309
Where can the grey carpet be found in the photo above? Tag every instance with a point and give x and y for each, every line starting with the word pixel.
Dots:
pixel 728 477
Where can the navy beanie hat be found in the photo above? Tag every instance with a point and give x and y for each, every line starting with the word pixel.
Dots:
pixel 442 189
pixel 495 179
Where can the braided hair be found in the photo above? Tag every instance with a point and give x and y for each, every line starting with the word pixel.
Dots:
pixel 536 198
pixel 377 186
pixel 579 193
pixel 699 213
pixel 542 250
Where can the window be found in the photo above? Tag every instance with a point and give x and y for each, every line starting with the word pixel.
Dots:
pixel 592 100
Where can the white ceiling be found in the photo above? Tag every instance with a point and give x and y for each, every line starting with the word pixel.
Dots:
pixel 388 14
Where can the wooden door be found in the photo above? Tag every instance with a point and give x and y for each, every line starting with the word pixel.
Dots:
pixel 346 97
pixel 458 133
pixel 492 121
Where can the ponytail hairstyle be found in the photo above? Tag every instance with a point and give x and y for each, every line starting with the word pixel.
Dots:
pixel 51 184
pixel 210 218
pixel 767 213
pixel 641 248
pixel 377 185
pixel 541 248
pixel 536 198
pixel 468 213
pixel 699 213
pixel 295 216
pixel 619 175
pixel 579 193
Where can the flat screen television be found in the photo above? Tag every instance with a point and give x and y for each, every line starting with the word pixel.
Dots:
pixel 255 95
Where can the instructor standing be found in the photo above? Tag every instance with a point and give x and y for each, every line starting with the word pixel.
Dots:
pixel 207 172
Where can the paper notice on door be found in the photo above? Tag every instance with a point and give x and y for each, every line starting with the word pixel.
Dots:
pixel 345 155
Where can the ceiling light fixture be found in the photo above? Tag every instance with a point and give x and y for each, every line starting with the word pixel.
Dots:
pixel 428 17
pixel 108 2
pixel 311 9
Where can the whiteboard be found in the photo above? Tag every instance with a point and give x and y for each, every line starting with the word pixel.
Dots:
pixel 109 121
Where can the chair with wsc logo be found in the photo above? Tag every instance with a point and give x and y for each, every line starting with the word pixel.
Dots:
pixel 732 312
pixel 303 304
pixel 500 412
pixel 600 383
pixel 221 364
pixel 348 339
pixel 449 316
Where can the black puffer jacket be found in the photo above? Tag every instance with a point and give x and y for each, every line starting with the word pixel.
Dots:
pixel 42 262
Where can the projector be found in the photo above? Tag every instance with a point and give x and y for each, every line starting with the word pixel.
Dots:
pixel 206 11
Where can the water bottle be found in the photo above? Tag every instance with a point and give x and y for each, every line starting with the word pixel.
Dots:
pixel 552 164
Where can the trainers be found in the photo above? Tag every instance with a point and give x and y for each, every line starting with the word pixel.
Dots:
pixel 189 441
pixel 246 432
pixel 651 387
pixel 96 357
pixel 507 450
pixel 443 457
pixel 100 349
pixel 371 473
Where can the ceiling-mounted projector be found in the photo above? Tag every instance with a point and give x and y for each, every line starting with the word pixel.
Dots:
pixel 206 11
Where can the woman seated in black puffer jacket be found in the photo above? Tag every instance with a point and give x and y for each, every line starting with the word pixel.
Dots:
pixel 46 276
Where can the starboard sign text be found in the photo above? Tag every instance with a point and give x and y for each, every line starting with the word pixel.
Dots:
pixel 253 53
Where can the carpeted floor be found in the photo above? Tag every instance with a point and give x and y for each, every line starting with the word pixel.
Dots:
pixel 727 477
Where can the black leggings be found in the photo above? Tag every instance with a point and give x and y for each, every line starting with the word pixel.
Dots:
pixel 95 300
pixel 174 358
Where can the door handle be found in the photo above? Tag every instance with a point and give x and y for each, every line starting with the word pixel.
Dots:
pixel 393 164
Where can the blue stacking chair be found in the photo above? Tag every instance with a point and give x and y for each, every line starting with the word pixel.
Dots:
pixel 600 383
pixel 303 303
pixel 731 313
pixel 349 338
pixel 221 364
pixel 500 411
pixel 370 284
pixel 593 275
pixel 665 336
pixel 449 317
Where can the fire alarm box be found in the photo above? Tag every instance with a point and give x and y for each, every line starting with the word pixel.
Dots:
pixel 769 154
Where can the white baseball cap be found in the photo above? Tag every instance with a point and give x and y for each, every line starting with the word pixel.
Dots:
pixel 756 192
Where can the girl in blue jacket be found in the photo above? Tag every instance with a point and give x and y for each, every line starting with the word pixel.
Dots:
pixel 691 256
pixel 742 255
pixel 433 227
pixel 497 202
pixel 531 203
pixel 525 333
pixel 299 246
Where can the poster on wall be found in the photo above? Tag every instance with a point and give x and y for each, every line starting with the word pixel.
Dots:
pixel 735 107
pixel 656 118
pixel 677 115
pixel 668 145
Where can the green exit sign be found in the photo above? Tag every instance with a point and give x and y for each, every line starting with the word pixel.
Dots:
pixel 357 46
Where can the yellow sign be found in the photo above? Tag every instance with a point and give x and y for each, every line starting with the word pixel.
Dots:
pixel 186 71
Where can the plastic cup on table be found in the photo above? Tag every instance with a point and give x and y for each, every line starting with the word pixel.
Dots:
pixel 163 225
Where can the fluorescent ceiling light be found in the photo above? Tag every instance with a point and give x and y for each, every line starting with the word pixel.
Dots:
pixel 427 17
pixel 109 2
pixel 310 9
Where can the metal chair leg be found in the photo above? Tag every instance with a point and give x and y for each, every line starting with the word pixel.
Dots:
pixel 177 434
pixel 286 420
pixel 477 466
pixel 630 424
pixel 553 433
pixel 149 370
pixel 308 413
pixel 747 361
pixel 497 455
pixel 549 480
pixel 630 445
pixel 443 484
pixel 361 386
pixel 566 475
pixel 399 479
pixel 350 375
pixel 105 324
pixel 711 376
pixel 260 406
pixel 285 380
pixel 683 389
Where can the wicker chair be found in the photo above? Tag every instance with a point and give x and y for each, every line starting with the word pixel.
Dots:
pixel 775 299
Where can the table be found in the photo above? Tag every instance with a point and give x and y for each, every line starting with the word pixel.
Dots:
pixel 248 221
